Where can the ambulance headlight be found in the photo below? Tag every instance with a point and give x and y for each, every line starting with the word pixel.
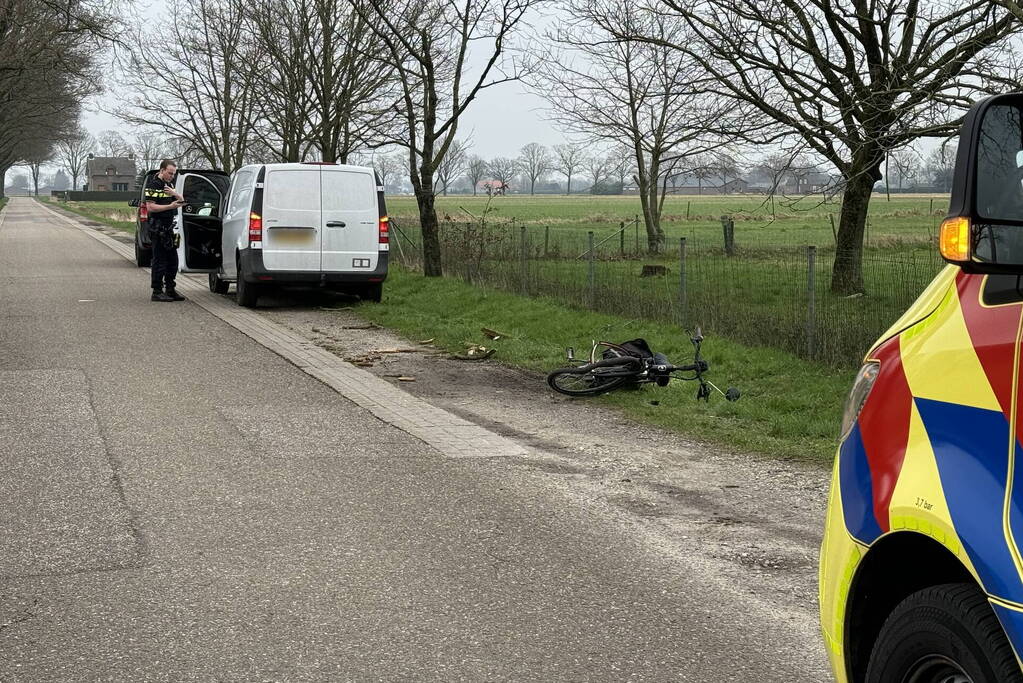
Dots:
pixel 858 396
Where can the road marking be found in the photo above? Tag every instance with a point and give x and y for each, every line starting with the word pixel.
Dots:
pixel 448 433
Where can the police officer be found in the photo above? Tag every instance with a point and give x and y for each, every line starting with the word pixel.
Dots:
pixel 162 201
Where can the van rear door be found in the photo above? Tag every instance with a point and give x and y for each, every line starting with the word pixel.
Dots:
pixel 200 224
pixel 291 218
pixel 351 221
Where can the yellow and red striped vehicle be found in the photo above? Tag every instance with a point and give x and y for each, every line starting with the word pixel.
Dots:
pixel 921 576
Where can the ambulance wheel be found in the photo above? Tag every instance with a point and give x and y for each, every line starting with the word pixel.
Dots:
pixel 248 292
pixel 218 286
pixel 143 257
pixel 943 634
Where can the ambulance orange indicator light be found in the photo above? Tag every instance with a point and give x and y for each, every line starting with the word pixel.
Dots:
pixel 954 240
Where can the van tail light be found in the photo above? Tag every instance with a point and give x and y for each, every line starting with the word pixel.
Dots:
pixel 255 230
pixel 385 230
pixel 143 212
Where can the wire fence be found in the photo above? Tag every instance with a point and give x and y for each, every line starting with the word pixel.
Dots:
pixel 758 294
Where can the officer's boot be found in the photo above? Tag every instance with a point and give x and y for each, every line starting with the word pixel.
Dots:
pixel 160 296
pixel 173 294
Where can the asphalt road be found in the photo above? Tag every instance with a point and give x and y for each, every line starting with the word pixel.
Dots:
pixel 179 503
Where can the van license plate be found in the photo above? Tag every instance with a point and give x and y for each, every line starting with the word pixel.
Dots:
pixel 360 263
pixel 293 236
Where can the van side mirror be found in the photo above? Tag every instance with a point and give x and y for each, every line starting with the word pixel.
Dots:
pixel 134 203
pixel 984 229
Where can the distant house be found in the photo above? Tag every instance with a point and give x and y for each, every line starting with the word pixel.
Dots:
pixel 111 174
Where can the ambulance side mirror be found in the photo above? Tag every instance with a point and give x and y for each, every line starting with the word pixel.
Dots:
pixel 983 232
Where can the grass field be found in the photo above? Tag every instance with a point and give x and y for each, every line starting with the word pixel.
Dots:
pixel 790 407
pixel 115 214
pixel 759 221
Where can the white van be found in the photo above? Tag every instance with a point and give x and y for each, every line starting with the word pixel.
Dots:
pixel 305 224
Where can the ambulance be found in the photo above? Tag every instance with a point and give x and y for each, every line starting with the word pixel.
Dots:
pixel 921 573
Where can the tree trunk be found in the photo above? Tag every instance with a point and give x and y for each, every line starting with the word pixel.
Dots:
pixel 430 230
pixel 569 192
pixel 847 275
pixel 3 181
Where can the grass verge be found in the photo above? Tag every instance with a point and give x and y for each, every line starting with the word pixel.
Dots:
pixel 790 407
pixel 97 211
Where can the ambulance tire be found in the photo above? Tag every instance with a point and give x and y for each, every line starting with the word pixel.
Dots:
pixel 943 633
pixel 248 292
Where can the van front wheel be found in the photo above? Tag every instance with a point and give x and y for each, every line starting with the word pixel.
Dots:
pixel 248 292
pixel 943 633
pixel 218 286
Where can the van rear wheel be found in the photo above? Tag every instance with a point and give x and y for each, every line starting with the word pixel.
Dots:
pixel 372 292
pixel 248 292
pixel 943 634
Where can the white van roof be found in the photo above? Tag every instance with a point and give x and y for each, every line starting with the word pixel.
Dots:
pixel 325 165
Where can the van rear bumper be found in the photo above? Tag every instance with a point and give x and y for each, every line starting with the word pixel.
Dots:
pixel 251 261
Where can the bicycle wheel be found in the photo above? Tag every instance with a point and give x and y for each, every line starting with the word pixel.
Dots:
pixel 584 381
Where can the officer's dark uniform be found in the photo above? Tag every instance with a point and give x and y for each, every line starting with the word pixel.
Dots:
pixel 161 233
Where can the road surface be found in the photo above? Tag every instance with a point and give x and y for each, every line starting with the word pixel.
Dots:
pixel 178 502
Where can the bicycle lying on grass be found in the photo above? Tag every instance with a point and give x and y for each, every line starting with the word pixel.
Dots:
pixel 632 363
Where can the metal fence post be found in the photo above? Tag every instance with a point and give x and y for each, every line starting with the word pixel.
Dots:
pixel 546 239
pixel 811 296
pixel 592 278
pixel 637 234
pixel 621 237
pixel 682 302
pixel 523 272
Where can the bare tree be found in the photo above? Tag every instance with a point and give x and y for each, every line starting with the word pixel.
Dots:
pixel 388 166
pixel 503 170
pixel 941 166
pixel 906 164
pixel 726 169
pixel 48 54
pixel 110 143
pixel 847 79
pixel 427 46
pixel 568 158
pixel 598 168
pixel 73 151
pixel 150 148
pixel 631 93
pixel 475 171
pixel 351 82
pixel 34 157
pixel 192 79
pixel 451 166
pixel 621 165
pixel 534 162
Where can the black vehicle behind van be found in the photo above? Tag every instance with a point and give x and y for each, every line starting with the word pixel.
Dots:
pixel 143 245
